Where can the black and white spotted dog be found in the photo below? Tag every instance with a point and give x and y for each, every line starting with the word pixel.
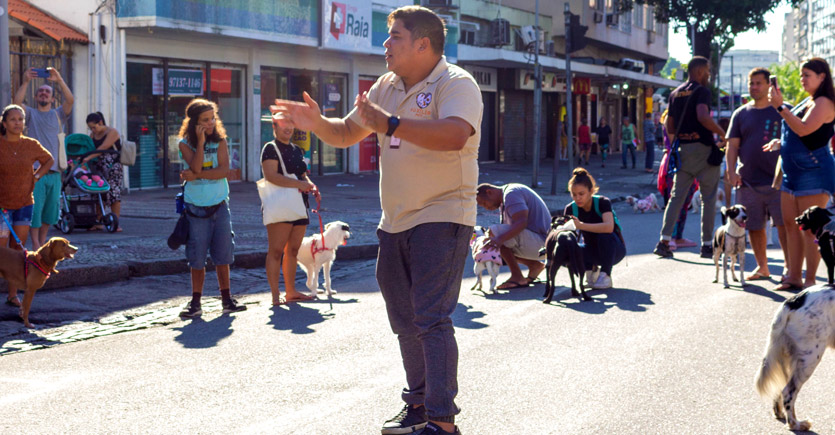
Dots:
pixel 562 248
pixel 801 331
pixel 729 241
pixel 820 222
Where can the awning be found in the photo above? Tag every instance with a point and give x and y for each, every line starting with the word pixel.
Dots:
pixel 498 58
pixel 44 23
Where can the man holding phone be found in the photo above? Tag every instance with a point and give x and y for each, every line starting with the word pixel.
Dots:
pixel 752 126
pixel 44 123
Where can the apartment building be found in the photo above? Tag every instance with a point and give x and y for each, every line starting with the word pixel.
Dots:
pixel 813 28
pixel 788 51
pixel 735 65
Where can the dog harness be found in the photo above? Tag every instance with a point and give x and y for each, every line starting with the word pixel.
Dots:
pixel 28 261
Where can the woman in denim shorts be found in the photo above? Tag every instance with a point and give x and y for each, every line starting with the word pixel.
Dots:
pixel 204 150
pixel 17 155
pixel 807 164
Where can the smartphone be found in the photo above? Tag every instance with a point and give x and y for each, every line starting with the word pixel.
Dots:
pixel 773 80
pixel 42 72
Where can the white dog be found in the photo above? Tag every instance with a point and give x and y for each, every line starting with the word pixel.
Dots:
pixel 729 241
pixel 696 202
pixel 800 333
pixel 650 203
pixel 485 257
pixel 314 255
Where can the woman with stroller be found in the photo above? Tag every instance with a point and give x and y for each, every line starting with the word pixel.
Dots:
pixel 106 138
pixel 285 238
pixel 593 216
pixel 17 155
pixel 206 194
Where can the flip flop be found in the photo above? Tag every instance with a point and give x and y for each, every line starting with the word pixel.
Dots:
pixel 757 276
pixel 786 286
pixel 15 301
pixel 508 285
pixel 299 298
pixel 281 301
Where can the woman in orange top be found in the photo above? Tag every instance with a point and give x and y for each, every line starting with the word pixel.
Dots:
pixel 18 154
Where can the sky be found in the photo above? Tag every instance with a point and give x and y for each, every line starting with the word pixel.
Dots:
pixel 772 38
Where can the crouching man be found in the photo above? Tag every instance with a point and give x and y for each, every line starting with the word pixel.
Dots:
pixel 522 230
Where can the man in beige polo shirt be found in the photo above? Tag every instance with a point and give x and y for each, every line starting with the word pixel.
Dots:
pixel 426 114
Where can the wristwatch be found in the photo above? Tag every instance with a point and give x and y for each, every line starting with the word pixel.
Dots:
pixel 394 122
pixel 780 108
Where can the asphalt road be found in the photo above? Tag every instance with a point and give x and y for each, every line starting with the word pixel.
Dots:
pixel 666 351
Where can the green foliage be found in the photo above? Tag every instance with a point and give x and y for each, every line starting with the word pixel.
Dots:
pixel 671 67
pixel 788 79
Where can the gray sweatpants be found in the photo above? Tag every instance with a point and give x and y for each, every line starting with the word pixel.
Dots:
pixel 694 166
pixel 419 272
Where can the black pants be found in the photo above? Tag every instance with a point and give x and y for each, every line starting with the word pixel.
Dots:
pixel 604 250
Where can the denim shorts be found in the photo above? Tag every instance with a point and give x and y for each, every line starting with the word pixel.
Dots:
pixel 209 235
pixel 808 172
pixel 19 217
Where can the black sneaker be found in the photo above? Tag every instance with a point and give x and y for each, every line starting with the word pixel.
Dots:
pixel 707 251
pixel 432 429
pixel 191 310
pixel 409 420
pixel 231 306
pixel 663 250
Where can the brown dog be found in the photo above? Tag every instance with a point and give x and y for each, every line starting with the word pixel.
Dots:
pixel 26 271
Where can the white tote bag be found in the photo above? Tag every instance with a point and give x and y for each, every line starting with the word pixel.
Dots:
pixel 62 146
pixel 280 204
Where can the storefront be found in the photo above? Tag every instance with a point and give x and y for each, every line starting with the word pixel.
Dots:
pixel 158 91
pixel 487 79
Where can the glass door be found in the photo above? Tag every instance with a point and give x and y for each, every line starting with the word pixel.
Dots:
pixel 145 115
pixel 332 101
pixel 185 82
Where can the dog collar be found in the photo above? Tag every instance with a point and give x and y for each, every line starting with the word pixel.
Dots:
pixel 34 263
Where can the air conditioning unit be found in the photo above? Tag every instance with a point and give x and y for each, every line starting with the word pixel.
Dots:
pixel 437 3
pixel 499 32
pixel 598 17
pixel 550 50
pixel 612 19
pixel 528 35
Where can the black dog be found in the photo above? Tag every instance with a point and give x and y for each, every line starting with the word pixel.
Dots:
pixel 819 221
pixel 563 249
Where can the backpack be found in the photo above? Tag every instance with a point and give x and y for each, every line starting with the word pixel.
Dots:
pixel 575 210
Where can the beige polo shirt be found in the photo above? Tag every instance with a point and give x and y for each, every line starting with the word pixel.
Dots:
pixel 417 185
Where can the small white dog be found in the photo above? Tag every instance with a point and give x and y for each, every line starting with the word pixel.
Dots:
pixel 801 331
pixel 314 255
pixel 650 203
pixel 696 202
pixel 485 257
pixel 729 241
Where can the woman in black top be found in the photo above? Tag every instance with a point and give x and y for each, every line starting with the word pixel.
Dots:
pixel 603 245
pixel 285 238
pixel 603 132
pixel 106 138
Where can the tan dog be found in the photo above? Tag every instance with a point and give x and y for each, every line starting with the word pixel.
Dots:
pixel 26 271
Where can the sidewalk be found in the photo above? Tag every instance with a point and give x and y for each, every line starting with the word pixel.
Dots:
pixel 148 217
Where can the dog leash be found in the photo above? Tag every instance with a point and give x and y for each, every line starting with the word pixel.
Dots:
pixel 313 249
pixel 25 252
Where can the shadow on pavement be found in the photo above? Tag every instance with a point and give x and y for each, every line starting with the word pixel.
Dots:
pixel 624 299
pixel 297 318
pixel 761 291
pixel 533 291
pixel 200 334
pixel 464 317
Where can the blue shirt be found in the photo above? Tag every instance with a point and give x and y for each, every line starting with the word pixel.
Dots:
pixel 205 193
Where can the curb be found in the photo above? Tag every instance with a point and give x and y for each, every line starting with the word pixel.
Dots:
pixel 95 274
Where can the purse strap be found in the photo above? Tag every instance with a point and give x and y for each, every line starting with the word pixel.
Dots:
pixel 60 124
pixel 280 160
pixel 681 116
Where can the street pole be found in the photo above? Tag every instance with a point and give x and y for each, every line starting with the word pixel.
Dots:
pixel 569 127
pixel 733 97
pixel 5 58
pixel 537 100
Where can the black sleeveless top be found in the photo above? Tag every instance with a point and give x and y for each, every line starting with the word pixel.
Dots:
pixel 820 137
pixel 98 142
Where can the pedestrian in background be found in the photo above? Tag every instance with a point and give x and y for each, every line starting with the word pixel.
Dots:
pixel 604 132
pixel 807 164
pixel 17 155
pixel 690 122
pixel 522 230
pixel 665 187
pixel 649 142
pixel 584 140
pixel 627 141
pixel 206 194
pixel 285 238
pixel 44 125
pixel 754 125
pixel 426 114
pixel 593 216
pixel 106 138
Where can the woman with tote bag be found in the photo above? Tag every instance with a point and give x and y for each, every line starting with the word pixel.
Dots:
pixel 284 201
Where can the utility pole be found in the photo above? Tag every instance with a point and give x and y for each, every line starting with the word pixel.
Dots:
pixel 569 117
pixel 5 58
pixel 537 101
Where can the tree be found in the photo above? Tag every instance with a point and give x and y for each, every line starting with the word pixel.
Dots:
pixel 788 79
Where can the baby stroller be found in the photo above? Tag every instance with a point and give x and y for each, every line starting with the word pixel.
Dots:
pixel 82 189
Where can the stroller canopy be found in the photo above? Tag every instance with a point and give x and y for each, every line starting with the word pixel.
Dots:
pixel 78 144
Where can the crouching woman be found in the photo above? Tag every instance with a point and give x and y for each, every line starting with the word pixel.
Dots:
pixel 593 216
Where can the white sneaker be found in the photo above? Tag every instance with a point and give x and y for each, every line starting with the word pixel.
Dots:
pixel 603 281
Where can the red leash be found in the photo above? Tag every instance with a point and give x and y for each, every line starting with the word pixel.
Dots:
pixel 27 261
pixel 313 249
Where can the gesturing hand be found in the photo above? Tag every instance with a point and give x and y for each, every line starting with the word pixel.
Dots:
pixel 774 145
pixel 299 115
pixel 372 115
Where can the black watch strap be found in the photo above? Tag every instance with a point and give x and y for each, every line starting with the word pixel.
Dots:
pixel 780 108
pixel 393 123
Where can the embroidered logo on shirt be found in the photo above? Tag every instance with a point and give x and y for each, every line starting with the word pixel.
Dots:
pixel 423 99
